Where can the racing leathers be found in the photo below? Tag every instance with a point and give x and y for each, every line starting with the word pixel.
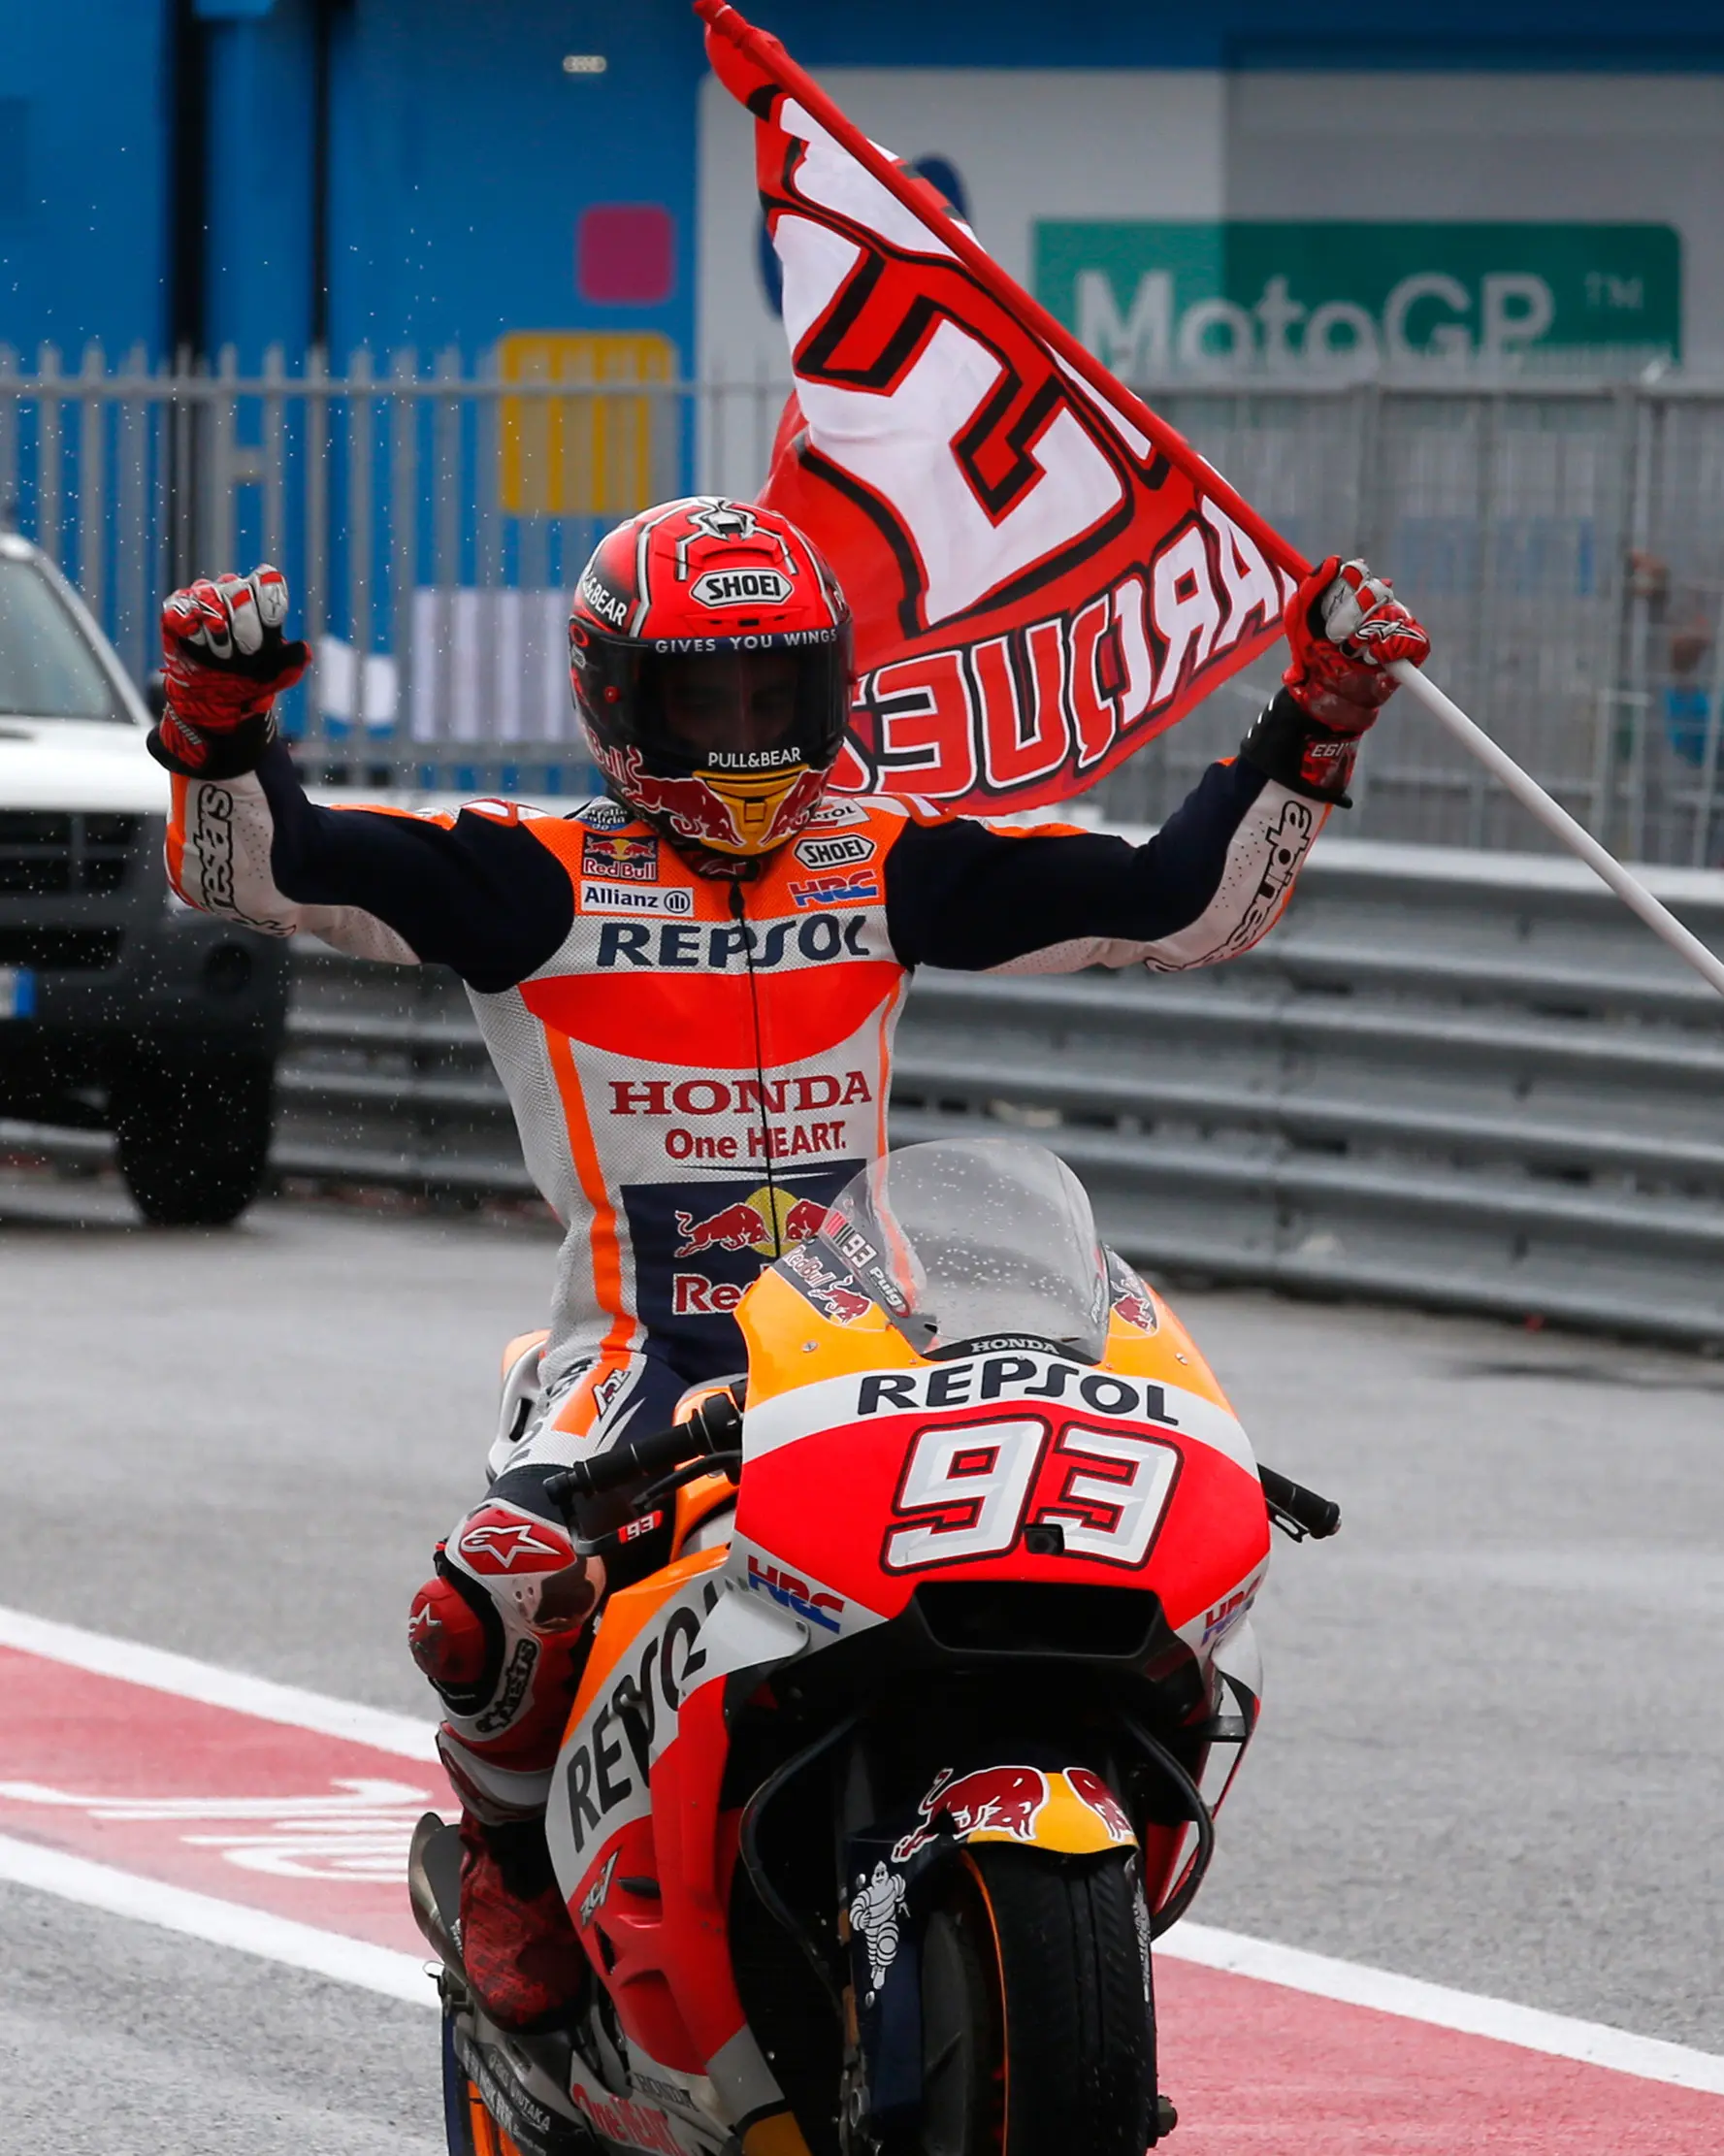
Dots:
pixel 696 1064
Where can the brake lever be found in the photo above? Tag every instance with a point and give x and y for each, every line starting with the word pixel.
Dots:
pixel 1296 1511
pixel 715 1428
pixel 648 1512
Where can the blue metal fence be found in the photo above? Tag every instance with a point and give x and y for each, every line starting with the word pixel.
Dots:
pixel 1561 541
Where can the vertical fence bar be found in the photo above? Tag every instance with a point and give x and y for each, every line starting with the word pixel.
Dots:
pixel 49 471
pixel 437 697
pixel 1365 404
pixel 272 449
pixel 1637 700
pixel 1706 791
pixel 361 535
pixel 1613 600
pixel 131 503
pixel 477 722
pixel 403 526
pixel 446 465
pixel 220 433
pixel 711 479
pixel 163 434
pixel 487 446
pixel 176 471
pixel 1487 619
pixel 93 520
pixel 317 523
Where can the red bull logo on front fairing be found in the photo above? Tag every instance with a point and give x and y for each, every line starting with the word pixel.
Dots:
pixel 1072 1810
pixel 1003 1801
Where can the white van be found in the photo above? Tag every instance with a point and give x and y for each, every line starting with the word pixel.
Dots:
pixel 120 1008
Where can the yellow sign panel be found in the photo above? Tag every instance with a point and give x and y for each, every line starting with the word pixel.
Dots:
pixel 596 452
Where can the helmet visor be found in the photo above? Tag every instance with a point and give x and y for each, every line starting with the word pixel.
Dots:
pixel 729 747
pixel 744 712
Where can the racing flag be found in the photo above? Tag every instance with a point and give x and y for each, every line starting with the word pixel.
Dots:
pixel 1044 574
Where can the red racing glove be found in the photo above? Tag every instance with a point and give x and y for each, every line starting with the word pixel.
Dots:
pixel 224 662
pixel 1345 627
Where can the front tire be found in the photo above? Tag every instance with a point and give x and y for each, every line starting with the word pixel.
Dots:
pixel 192 1137
pixel 1038 2020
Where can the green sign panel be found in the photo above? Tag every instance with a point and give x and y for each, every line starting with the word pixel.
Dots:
pixel 1149 298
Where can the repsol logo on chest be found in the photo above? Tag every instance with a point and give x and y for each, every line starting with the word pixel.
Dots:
pixel 1018 1376
pixel 737 946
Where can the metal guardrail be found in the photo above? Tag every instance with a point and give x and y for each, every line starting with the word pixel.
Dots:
pixel 1462 1081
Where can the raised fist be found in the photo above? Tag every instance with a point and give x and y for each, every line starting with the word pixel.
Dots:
pixel 224 662
pixel 1345 628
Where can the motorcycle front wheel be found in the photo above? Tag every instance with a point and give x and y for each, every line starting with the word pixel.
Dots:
pixel 1038 2020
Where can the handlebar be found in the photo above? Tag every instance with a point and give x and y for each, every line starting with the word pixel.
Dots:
pixel 715 1426
pixel 1300 1511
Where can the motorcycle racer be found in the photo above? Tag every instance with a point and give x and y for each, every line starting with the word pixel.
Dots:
pixel 689 988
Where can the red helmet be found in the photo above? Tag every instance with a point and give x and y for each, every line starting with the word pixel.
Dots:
pixel 709 654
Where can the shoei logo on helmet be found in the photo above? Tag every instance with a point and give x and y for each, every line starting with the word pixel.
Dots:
pixel 742 587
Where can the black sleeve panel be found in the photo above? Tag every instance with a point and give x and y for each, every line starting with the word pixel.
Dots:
pixel 482 897
pixel 958 895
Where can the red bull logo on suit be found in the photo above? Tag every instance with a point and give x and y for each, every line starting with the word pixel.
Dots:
pixel 743 1224
pixel 625 859
pixel 747 1224
pixel 739 1226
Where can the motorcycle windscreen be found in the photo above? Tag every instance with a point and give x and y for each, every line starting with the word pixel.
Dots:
pixel 968 1241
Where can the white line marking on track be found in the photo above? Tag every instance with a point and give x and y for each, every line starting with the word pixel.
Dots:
pixel 250 1931
pixel 162 1671
pixel 1351 1983
pixel 400 1976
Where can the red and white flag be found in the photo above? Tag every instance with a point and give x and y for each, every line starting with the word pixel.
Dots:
pixel 1044 574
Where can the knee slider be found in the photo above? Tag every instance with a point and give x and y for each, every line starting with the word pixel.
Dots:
pixel 456 1636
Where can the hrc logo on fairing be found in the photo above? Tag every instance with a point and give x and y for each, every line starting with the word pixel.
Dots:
pixel 794 1595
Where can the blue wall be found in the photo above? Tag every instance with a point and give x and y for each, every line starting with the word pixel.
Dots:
pixel 82 172
pixel 1601 34
pixel 462 155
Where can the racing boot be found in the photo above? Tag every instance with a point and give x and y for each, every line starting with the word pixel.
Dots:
pixel 502 1632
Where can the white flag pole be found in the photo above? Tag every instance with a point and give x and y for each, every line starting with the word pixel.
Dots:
pixel 1556 820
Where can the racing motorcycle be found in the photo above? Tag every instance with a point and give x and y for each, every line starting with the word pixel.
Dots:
pixel 873 1799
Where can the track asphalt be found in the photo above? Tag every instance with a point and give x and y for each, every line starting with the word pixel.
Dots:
pixel 1489 1756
